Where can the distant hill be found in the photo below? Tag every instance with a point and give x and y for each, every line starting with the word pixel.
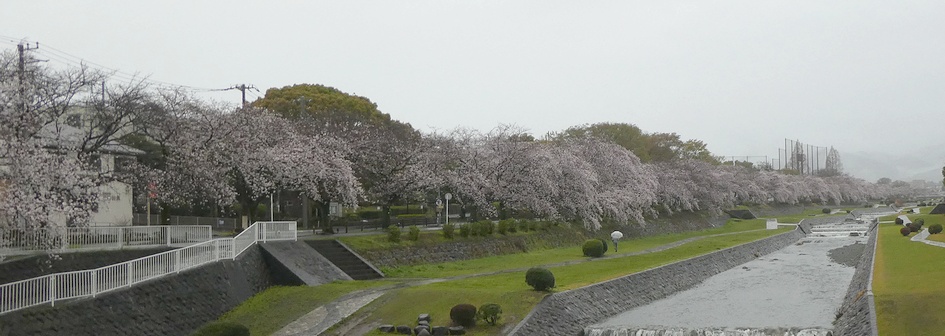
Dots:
pixel 910 164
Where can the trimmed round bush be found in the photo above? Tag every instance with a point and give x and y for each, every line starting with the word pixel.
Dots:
pixel 905 231
pixel 393 234
pixel 899 221
pixel 935 228
pixel 920 222
pixel 540 279
pixel 464 230
pixel 414 233
pixel 222 329
pixel 490 313
pixel 513 226
pixel 463 314
pixel 593 248
pixel 448 230
pixel 825 210
pixel 606 246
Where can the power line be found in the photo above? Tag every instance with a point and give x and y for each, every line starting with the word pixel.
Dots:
pixel 67 58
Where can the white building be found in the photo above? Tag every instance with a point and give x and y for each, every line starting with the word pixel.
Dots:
pixel 115 204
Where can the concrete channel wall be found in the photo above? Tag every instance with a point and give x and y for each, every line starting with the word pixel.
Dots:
pixel 568 312
pixel 171 305
pixel 857 315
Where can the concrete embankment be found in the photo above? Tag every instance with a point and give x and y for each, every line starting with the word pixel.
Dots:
pixel 568 312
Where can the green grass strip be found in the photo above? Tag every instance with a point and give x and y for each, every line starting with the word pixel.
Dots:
pixel 555 255
pixel 517 299
pixel 907 282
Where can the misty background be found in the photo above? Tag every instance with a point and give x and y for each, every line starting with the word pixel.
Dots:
pixel 865 77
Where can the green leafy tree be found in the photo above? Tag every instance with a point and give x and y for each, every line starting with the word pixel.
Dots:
pixel 388 156
pixel 649 147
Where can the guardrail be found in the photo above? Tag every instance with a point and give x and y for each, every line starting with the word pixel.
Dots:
pixel 14 242
pixel 69 285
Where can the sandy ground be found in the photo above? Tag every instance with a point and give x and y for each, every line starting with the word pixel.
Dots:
pixel 800 286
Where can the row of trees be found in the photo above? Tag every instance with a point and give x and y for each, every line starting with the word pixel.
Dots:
pixel 333 147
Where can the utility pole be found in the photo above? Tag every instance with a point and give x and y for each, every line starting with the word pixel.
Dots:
pixel 243 88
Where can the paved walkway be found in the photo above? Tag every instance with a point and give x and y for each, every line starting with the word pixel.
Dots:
pixel 324 317
pixel 922 237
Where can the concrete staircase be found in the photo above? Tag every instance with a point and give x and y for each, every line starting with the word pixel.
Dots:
pixel 349 262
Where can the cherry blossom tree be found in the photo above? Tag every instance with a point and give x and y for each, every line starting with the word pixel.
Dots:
pixel 46 182
pixel 502 167
pixel 243 156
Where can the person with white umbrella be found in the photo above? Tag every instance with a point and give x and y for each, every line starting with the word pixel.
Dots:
pixel 616 235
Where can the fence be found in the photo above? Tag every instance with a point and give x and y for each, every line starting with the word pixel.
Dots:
pixel 376 224
pixel 13 241
pixel 216 222
pixel 69 285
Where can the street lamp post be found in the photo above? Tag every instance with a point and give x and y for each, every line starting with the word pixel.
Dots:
pixel 446 211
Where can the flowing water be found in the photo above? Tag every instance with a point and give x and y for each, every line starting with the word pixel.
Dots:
pixel 794 291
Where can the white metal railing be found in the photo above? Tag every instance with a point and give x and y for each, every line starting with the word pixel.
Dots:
pixel 13 241
pixel 69 285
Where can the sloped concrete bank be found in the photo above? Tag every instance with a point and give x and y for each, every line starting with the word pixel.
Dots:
pixel 857 315
pixel 567 313
pixel 171 305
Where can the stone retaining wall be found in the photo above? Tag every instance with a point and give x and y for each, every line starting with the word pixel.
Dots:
pixel 568 312
pixel 171 305
pixel 27 267
pixel 857 313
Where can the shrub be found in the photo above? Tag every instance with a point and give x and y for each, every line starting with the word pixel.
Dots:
pixel 369 214
pixel 898 221
pixel 504 225
pixel 464 230
pixel 464 314
pixel 534 225
pixel 913 227
pixel 448 230
pixel 490 313
pixel 593 248
pixel 825 210
pixel 482 228
pixel 523 225
pixel 920 222
pixel 935 228
pixel 905 231
pixel 604 242
pixel 222 329
pixel 513 225
pixel 414 233
pixel 393 234
pixel 539 278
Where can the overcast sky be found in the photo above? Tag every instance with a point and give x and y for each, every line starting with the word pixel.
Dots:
pixel 739 75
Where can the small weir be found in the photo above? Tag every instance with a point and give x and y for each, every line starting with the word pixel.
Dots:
pixel 631 331
pixel 849 227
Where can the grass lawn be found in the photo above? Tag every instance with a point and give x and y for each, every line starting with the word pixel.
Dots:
pixel 907 283
pixel 274 308
pixel 556 255
pixel 516 298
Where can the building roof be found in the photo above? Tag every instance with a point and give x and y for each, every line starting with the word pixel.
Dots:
pixel 57 135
